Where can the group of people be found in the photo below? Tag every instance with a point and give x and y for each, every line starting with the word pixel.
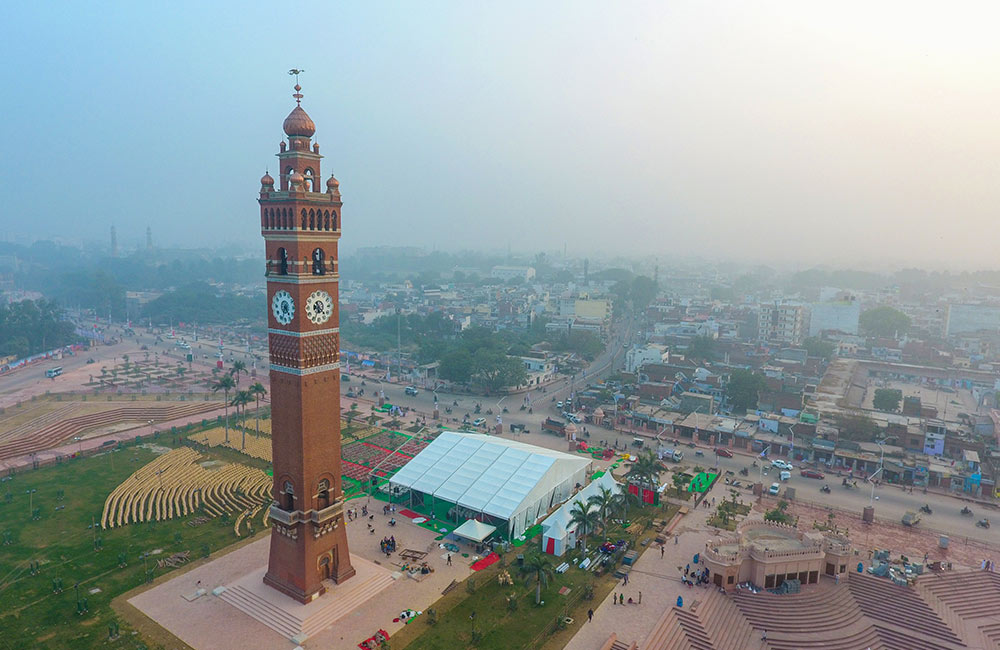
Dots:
pixel 388 545
pixel 988 565
pixel 619 599
pixel 695 577
pixel 352 513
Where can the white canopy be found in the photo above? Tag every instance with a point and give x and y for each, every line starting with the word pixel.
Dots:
pixel 502 478
pixel 559 527
pixel 477 531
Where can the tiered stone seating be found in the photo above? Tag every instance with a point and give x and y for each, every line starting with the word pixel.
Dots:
pixel 725 624
pixel 173 485
pixel 896 610
pixel 972 594
pixel 39 422
pixel 677 629
pixel 815 619
pixel 64 429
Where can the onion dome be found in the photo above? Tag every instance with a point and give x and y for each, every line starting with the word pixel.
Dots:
pixel 266 180
pixel 332 184
pixel 299 124
pixel 598 413
pixel 296 180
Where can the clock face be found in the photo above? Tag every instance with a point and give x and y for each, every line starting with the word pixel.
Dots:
pixel 283 307
pixel 319 307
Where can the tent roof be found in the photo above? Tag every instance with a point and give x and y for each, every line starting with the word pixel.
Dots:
pixel 484 473
pixel 477 531
pixel 560 519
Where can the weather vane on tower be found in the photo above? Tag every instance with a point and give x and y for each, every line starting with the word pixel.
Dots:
pixel 298 94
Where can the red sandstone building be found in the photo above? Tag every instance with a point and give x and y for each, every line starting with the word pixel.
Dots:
pixel 301 228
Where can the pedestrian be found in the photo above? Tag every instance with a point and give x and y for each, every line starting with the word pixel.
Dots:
pixel 590 615
pixel 662 551
pixel 449 559
pixel 614 598
pixel 763 636
pixel 621 598
pixel 640 598
pixel 687 569
pixel 676 538
pixel 626 579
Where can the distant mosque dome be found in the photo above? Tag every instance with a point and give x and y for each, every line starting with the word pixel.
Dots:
pixel 266 180
pixel 298 123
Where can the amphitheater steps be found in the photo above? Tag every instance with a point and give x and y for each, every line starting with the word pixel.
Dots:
pixel 725 624
pixel 260 610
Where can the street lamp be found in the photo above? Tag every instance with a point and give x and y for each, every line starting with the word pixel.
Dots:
pixel 881 466
pixel 79 439
pixel 31 494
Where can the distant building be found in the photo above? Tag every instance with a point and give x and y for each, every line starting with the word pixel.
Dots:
pixel 593 309
pixel 839 316
pixel 786 323
pixel 691 402
pixel 972 318
pixel 637 357
pixel 513 272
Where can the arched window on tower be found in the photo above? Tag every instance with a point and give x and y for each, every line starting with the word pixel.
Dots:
pixel 312 220
pixel 323 494
pixel 282 261
pixel 288 496
pixel 333 219
pixel 285 183
pixel 308 174
pixel 326 220
pixel 304 216
pixel 317 260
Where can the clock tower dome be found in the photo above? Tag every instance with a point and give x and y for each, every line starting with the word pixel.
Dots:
pixel 300 222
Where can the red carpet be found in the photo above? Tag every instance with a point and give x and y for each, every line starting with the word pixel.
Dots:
pixel 409 514
pixel 479 565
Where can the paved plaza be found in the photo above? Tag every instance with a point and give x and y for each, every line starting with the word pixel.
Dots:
pixel 209 623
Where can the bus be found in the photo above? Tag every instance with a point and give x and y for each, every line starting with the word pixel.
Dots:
pixel 53 372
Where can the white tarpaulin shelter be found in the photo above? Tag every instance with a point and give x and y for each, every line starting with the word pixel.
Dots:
pixel 558 531
pixel 468 475
pixel 477 531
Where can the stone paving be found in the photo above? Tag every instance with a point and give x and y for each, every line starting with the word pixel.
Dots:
pixel 208 623
pixel 658 578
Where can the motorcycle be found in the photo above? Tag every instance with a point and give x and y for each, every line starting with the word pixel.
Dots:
pixel 983 523
pixel 926 508
pixel 966 511
pixel 744 472
pixel 505 410
pixel 825 488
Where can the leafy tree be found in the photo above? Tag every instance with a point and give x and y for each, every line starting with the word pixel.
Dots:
pixel 31 326
pixel 856 427
pixel 702 347
pixel 743 389
pixel 225 384
pixel 540 567
pixel 240 400
pixel 239 368
pixel 457 366
pixel 496 370
pixel 887 399
pixel 645 471
pixel 778 514
pixel 586 518
pixel 643 292
pixel 884 322
pixel 817 347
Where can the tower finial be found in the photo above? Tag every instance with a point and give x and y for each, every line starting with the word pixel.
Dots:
pixel 298 94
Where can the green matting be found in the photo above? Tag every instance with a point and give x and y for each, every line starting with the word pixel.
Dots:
pixel 702 481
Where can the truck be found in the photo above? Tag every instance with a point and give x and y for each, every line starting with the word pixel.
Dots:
pixel 675 455
pixel 555 426
pixel 911 518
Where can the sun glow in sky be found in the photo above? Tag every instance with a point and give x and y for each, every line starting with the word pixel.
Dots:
pixel 847 133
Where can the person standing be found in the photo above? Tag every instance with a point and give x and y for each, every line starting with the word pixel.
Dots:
pixel 590 615
pixel 449 559
pixel 662 551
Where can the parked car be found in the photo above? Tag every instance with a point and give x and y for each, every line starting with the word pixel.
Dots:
pixel 411 390
pixel 812 473
pixel 559 405
pixel 911 518
pixel 785 475
pixel 774 489
pixel 722 451
pixel 478 422
pixel 781 464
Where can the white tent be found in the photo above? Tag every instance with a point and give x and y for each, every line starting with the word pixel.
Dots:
pixel 474 530
pixel 492 477
pixel 558 531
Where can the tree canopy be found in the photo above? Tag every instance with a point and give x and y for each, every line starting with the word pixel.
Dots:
pixel 884 322
pixel 28 327
pixel 887 399
pixel 743 389
pixel 817 347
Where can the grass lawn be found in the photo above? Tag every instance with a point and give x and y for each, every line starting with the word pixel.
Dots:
pixel 31 614
pixel 527 626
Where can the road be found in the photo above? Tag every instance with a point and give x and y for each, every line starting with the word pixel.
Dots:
pixel 891 501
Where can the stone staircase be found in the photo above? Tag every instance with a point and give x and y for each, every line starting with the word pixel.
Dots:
pixel 969 602
pixel 299 622
pixel 726 626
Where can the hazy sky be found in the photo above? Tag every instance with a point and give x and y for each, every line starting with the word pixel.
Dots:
pixel 817 132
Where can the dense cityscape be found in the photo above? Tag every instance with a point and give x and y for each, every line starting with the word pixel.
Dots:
pixel 652 402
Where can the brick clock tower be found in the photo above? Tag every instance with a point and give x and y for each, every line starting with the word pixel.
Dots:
pixel 301 228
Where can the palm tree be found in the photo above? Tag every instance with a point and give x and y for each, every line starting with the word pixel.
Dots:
pixel 645 471
pixel 604 501
pixel 225 384
pixel 586 519
pixel 258 391
pixel 624 499
pixel 238 367
pixel 541 568
pixel 241 399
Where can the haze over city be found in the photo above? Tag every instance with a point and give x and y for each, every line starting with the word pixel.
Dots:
pixel 780 132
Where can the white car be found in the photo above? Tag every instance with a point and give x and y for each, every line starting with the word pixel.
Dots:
pixel 780 464
pixel 478 422
pixel 774 489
